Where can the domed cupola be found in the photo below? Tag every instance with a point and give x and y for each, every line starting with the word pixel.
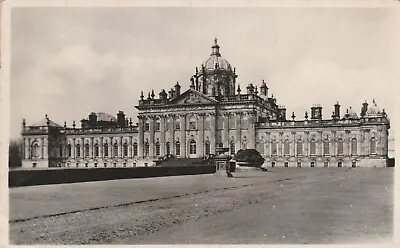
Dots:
pixel 215 76
pixel 216 61
pixel 373 110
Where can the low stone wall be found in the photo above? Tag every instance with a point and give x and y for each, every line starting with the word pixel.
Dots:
pixel 18 178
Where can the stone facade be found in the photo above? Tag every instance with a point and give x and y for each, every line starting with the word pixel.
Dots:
pixel 213 112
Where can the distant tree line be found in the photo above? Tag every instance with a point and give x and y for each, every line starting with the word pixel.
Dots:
pixel 15 154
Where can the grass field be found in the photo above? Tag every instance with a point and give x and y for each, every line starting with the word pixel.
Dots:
pixel 283 205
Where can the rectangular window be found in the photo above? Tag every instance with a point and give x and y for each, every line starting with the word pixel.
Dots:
pixel 147 126
pixel 326 163
pixel 273 164
pixel 312 164
pixel 158 125
pixel 274 149
pixel 286 164
pixel 298 164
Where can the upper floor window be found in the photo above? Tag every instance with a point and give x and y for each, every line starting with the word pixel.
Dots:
pixel 135 149
pixel 177 125
pixel 69 148
pixel 87 153
pixel 96 150
pixel 35 150
pixel 313 147
pixel 207 146
pixel 115 150
pixel 105 150
pixel 125 148
pixel 340 147
pixel 326 147
pixel 286 147
pixel 146 126
pixel 299 150
pixel 354 146
pixel 207 123
pixel 232 122
pixel 78 150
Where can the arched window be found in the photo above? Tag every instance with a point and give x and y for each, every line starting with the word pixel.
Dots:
pixel 299 150
pixel 208 149
pixel 232 147
pixel 87 153
pixel 35 150
pixel 125 148
pixel 274 148
pixel 69 150
pixel 146 148
pixel 313 147
pixel 105 150
pixel 354 146
pixel 220 144
pixel 340 147
pixel 157 148
pixel 135 149
pixel 168 147
pixel 115 150
pixel 192 147
pixel 96 150
pixel 372 145
pixel 326 147
pixel 78 150
pixel 286 147
pixel 178 148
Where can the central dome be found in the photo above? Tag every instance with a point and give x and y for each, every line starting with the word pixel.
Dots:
pixel 216 61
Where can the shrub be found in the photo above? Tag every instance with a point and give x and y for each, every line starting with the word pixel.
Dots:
pixel 249 156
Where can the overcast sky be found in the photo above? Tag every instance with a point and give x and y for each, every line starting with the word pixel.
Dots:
pixel 69 62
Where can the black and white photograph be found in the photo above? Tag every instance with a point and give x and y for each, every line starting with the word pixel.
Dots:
pixel 199 123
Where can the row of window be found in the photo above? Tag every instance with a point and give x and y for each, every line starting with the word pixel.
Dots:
pixel 96 150
pixel 325 147
pixel 192 124
pixel 312 164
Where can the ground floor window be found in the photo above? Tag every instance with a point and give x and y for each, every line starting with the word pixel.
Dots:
pixel 208 147
pixel 158 149
pixel 273 164
pixel 232 147
pixel 168 148
pixel 298 163
pixel 340 164
pixel 192 147
pixel 353 164
pixel 286 164
pixel 312 164
pixel 326 163
pixel 146 149
pixel 135 149
pixel 177 148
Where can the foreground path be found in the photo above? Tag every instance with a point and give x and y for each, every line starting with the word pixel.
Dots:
pixel 283 206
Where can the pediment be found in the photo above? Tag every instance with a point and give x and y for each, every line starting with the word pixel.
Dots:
pixel 192 97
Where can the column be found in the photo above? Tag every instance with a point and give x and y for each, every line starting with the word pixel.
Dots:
pixel 172 133
pixel 225 131
pixel 151 141
pixel 306 144
pixel 332 148
pixel 213 122
pixel 44 148
pixel 130 147
pixel 200 127
pixel 238 132
pixel 294 143
pixel 346 143
pixel 162 135
pixel 141 136
pixel 183 135
pixel 252 133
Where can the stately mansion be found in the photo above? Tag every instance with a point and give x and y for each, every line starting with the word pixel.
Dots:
pixel 212 112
